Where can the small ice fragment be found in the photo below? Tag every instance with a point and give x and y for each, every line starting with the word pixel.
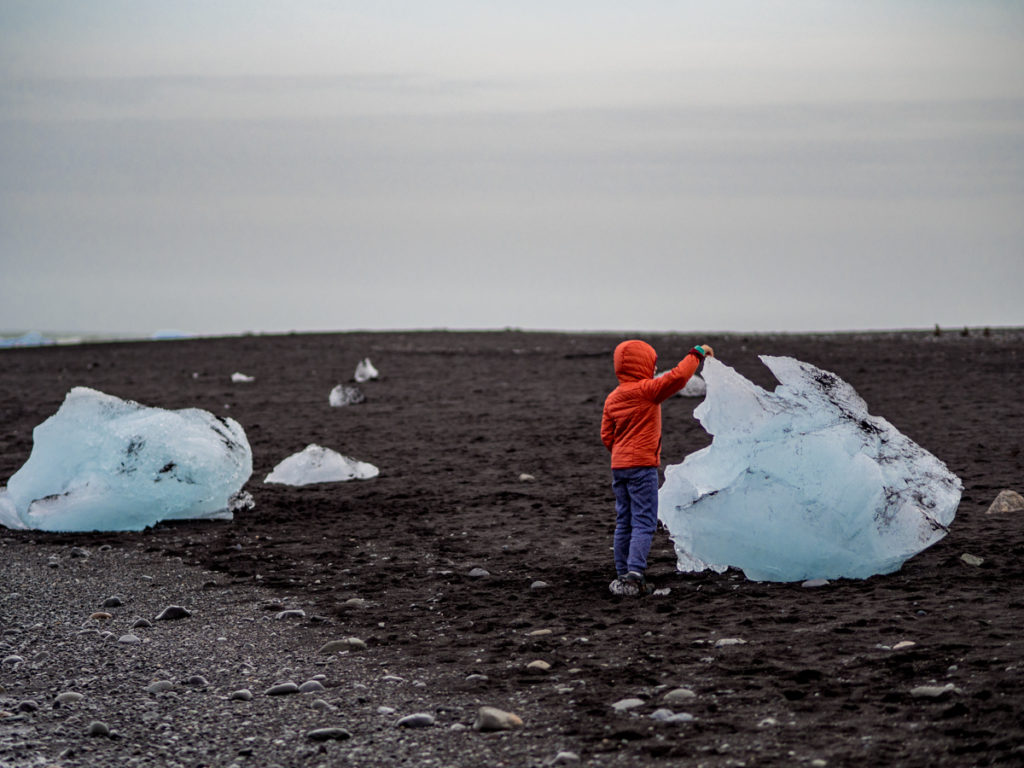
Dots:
pixel 315 464
pixel 241 378
pixel 343 394
pixel 365 371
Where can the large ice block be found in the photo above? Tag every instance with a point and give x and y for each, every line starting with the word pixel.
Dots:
pixel 802 482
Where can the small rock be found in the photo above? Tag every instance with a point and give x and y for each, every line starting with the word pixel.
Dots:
pixel 100 616
pixel 539 633
pixel 477 679
pixel 767 722
pixel 811 583
pixel 819 763
pixel 292 613
pixel 282 689
pixel 538 585
pixel 538 667
pixel 678 695
pixel 418 720
pixel 197 681
pixel 904 644
pixel 661 714
pixel 624 705
pixel 78 552
pixel 113 602
pixel 526 477
pixel 726 641
pixel 661 592
pixel 97 728
pixel 933 691
pixel 321 704
pixel 494 719
pixel 243 694
pixel 172 613
pixel 348 644
pixel 142 624
pixel 68 697
pixel 129 640
pixel 565 758
pixel 159 686
pixel 28 705
pixel 329 734
pixel 1006 501
pixel 382 710
pixel 478 573
pixel 311 686
pixel 12 660
pixel 970 559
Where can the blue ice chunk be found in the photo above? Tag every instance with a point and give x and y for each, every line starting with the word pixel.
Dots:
pixel 802 483
pixel 106 464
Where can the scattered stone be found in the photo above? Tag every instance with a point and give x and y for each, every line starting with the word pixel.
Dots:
pixel 243 694
pixel 97 728
pixel 348 644
pixel 172 613
pixel 142 624
pixel 767 722
pixel 478 573
pixel 933 691
pixel 100 616
pixel 197 681
pixel 538 667
pixel 321 704
pixel 418 720
pixel 329 734
pixel 565 758
pixel 726 641
pixel 28 705
pixel 624 705
pixel 79 552
pixel 970 559
pixel 382 710
pixel 526 477
pixel 538 585
pixel 282 689
pixel 477 679
pixel 811 583
pixel 311 686
pixel 356 602
pixel 904 644
pixel 68 697
pixel 494 719
pixel 538 633
pixel 1006 501
pixel 53 562
pixel 819 762
pixel 12 660
pixel 113 602
pixel 661 714
pixel 159 686
pixel 662 591
pixel 678 695
pixel 292 613
pixel 129 639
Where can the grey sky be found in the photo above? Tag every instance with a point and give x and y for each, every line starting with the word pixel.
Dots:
pixel 232 166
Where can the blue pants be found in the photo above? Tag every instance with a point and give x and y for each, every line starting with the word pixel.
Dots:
pixel 636 516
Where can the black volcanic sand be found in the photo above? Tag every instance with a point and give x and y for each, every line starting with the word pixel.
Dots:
pixel 453 421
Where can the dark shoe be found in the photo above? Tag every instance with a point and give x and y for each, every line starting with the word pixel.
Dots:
pixel 638 582
pixel 621 586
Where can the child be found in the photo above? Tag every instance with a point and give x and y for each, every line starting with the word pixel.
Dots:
pixel 631 430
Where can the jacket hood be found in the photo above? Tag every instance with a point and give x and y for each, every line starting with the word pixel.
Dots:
pixel 634 360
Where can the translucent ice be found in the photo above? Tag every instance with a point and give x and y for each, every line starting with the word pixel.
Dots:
pixel 695 387
pixel 319 465
pixel 343 394
pixel 241 378
pixel 102 463
pixel 365 371
pixel 802 482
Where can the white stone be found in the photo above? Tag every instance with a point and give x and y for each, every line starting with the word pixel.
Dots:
pixel 241 378
pixel 624 705
pixel 494 719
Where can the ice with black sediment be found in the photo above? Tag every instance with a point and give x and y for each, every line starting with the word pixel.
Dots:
pixel 316 464
pixel 106 464
pixel 802 482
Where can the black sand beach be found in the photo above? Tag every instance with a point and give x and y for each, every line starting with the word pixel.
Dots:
pixel 453 422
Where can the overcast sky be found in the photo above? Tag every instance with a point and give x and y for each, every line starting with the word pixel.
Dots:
pixel 218 167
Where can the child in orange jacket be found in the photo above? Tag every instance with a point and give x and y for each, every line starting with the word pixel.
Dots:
pixel 631 430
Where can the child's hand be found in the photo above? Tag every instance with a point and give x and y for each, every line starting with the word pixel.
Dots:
pixel 708 350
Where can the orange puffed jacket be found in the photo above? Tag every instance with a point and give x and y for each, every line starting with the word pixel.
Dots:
pixel 631 421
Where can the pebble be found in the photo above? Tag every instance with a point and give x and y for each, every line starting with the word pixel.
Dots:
pixel 477 678
pixel 811 583
pixel 565 758
pixel 101 616
pixel 725 641
pixel 382 710
pixel 159 686
pixel 129 640
pixel 282 689
pixel 292 613
pixel 538 585
pixel 12 660
pixel 97 728
pixel 479 573
pixel 348 644
pixel 418 720
pixel 68 697
pixel 970 559
pixel 79 552
pixel 142 624
pixel 904 644
pixel 538 667
pixel 678 695
pixel 197 681
pixel 494 719
pixel 526 477
pixel 329 734
pixel 173 612
pixel 538 633
pixel 321 704
pixel 311 686
pixel 662 591
pixel 933 691
pixel 767 722
pixel 28 705
pixel 243 694
pixel 624 705
pixel 113 602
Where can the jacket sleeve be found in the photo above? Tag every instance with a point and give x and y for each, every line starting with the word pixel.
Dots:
pixel 607 430
pixel 664 387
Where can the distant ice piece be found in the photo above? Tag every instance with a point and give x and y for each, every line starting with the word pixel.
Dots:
pixel 170 333
pixel 365 371
pixel 29 339
pixel 802 483
pixel 241 378
pixel 105 464
pixel 343 394
pixel 695 387
pixel 320 465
